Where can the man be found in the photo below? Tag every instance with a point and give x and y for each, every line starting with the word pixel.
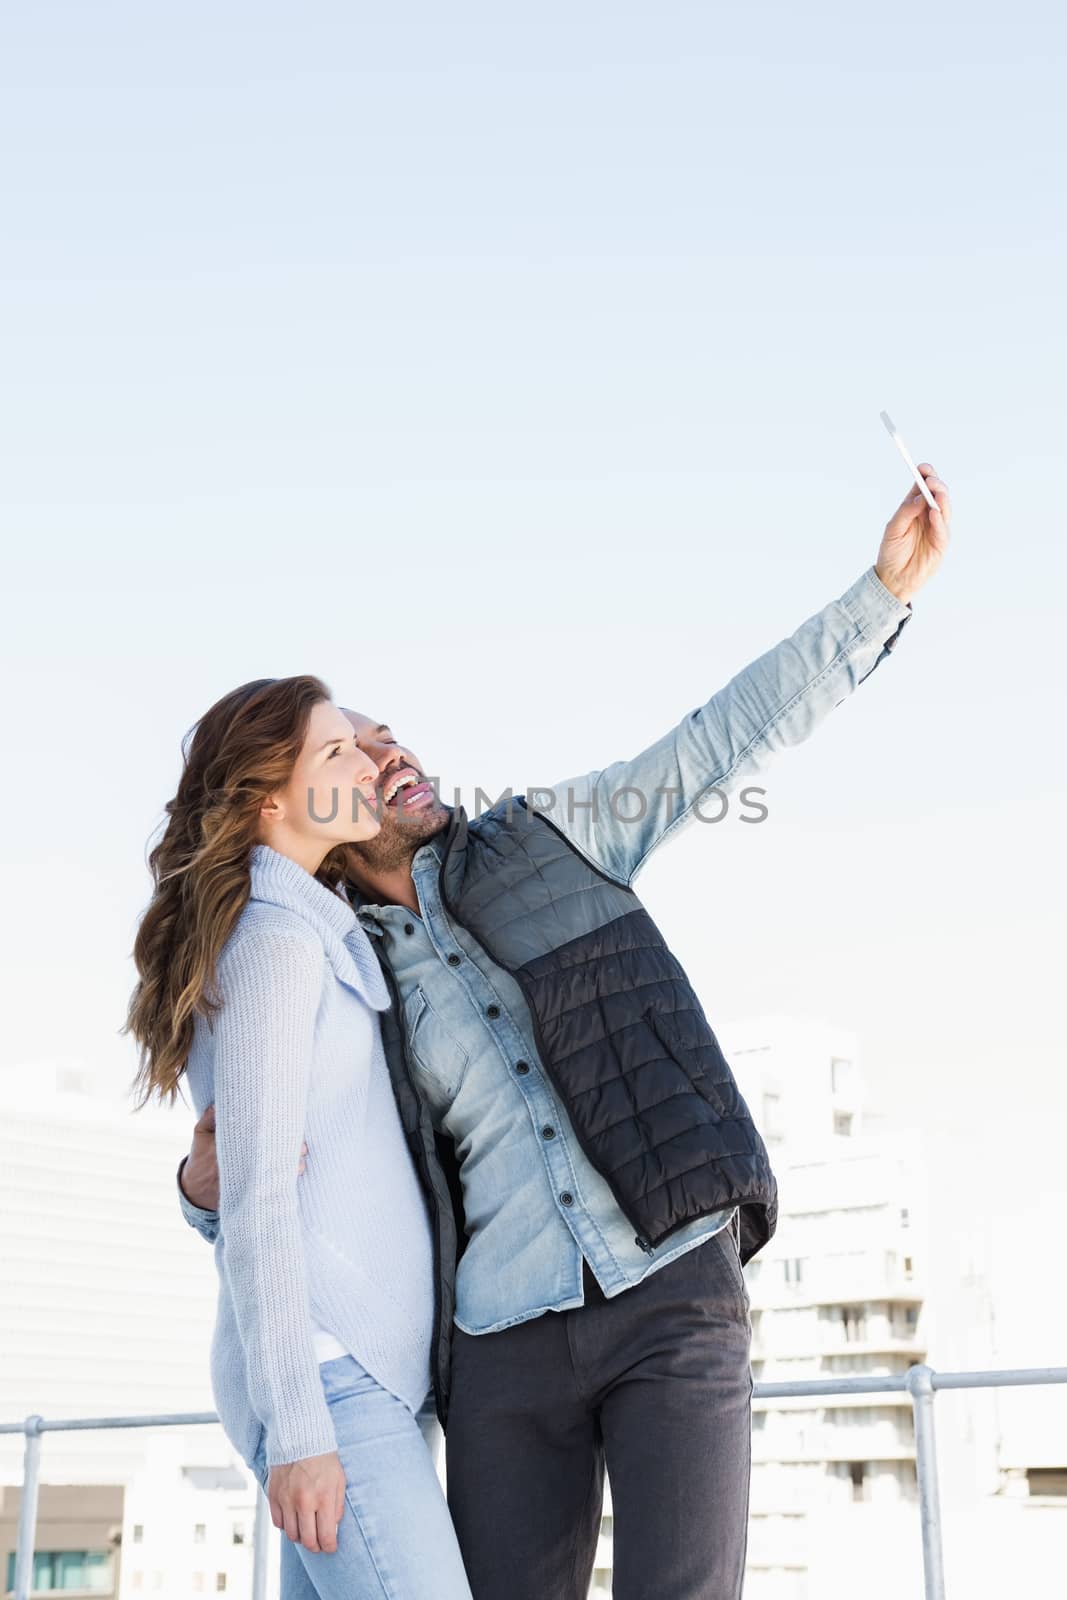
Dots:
pixel 595 1178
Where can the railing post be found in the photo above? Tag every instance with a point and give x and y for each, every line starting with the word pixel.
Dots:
pixel 921 1388
pixel 260 1544
pixel 27 1532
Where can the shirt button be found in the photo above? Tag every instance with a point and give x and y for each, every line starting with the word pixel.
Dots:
pixel 409 927
pixel 453 959
pixel 493 1012
pixel 522 1068
pixel 566 1198
pixel 548 1132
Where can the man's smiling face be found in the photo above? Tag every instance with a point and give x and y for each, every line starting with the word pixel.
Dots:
pixel 408 807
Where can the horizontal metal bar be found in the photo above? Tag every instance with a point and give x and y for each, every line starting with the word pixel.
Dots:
pixel 996 1380
pixel 895 1383
pixel 171 1419
pixel 1008 1377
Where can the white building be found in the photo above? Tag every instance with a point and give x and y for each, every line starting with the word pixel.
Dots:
pixel 187 1529
pixel 889 1253
pixel 108 1309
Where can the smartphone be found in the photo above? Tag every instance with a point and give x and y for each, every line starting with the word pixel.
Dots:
pixel 912 468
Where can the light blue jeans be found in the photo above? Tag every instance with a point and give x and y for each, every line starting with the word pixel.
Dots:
pixel 395 1540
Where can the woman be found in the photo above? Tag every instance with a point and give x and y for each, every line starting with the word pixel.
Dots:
pixel 257 982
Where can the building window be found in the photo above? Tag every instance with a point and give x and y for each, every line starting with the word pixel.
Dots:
pixel 850 1416
pixel 772 1116
pixel 199 1581
pixel 200 1533
pixel 238 1533
pixel 138 1533
pixel 220 1582
pixel 843 1122
pixel 905 1217
pixel 853 1321
pixel 857 1471
pixel 138 1579
pixel 840 1074
pixel 1047 1480
pixel 907 1267
pixel 86 1570
pixel 793 1268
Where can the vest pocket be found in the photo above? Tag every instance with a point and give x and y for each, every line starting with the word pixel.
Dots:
pixel 685 1055
pixel 436 1053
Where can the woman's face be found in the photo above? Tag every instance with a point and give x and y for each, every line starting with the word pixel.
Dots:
pixel 330 798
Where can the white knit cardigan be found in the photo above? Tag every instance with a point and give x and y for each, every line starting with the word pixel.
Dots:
pixel 295 1053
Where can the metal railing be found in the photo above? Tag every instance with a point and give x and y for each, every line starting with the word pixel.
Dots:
pixel 35 1426
pixel 920 1382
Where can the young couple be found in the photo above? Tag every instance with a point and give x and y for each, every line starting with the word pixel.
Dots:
pixel 466 1141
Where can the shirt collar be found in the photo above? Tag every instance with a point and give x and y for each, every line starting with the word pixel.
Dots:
pixel 370 913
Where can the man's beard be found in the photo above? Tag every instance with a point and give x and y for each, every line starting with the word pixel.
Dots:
pixel 399 837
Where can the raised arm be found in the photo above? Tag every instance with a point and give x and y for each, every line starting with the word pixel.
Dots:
pixel 618 815
pixel 270 982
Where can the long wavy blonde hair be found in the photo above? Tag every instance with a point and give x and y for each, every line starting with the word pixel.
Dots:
pixel 234 758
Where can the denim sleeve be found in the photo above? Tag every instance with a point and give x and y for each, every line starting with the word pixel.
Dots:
pixel 206 1223
pixel 270 984
pixel 617 816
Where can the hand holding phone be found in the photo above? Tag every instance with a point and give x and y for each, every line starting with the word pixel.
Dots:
pixel 912 468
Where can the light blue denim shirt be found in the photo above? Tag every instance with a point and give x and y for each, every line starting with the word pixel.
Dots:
pixel 534 1204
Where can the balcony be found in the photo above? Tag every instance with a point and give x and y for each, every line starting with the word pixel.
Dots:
pixel 832 1289
pixel 823 1449
pixel 873 1344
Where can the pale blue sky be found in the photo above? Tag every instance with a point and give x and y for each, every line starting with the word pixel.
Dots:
pixel 518 370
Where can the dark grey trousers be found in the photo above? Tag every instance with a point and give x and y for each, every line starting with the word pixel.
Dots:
pixel 654 1384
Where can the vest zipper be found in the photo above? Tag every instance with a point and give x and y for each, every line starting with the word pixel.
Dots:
pixel 428 1185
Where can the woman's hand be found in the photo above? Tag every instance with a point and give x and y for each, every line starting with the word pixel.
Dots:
pixel 199 1172
pixel 915 538
pixel 307 1500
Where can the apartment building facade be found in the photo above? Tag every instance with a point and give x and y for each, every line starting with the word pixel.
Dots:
pixel 108 1309
pixel 888 1254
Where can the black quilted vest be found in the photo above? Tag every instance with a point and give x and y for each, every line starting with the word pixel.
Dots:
pixel 621 1035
